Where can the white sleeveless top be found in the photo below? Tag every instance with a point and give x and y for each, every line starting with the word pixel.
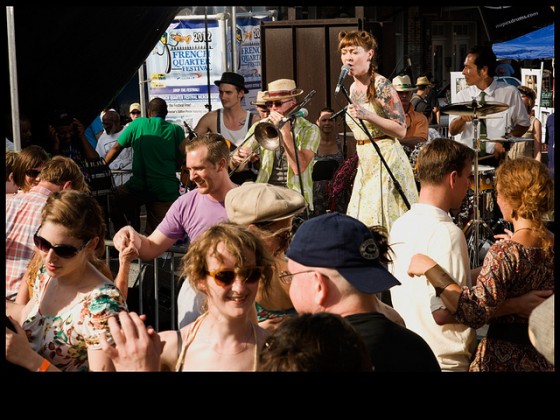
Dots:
pixel 234 136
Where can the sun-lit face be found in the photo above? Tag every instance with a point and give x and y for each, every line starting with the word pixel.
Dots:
pixel 57 234
pixel 202 172
pixel 301 288
pixel 229 96
pixel 235 300
pixel 325 123
pixel 472 73
pixel 357 58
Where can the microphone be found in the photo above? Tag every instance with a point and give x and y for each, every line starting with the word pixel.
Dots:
pixel 409 63
pixel 337 113
pixel 302 112
pixel 343 73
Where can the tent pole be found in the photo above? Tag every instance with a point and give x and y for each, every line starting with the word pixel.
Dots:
pixel 12 59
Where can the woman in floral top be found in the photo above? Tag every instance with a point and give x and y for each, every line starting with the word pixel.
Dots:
pixel 59 328
pixel 523 260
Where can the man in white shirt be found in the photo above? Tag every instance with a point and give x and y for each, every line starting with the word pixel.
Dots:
pixel 444 168
pixel 112 129
pixel 479 71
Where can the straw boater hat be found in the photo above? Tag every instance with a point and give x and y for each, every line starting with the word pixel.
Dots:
pixel 403 84
pixel 281 89
pixel 423 81
pixel 259 101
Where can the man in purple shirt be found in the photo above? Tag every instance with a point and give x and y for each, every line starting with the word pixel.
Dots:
pixel 207 162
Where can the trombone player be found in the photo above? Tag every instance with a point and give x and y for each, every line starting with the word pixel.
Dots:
pixel 284 161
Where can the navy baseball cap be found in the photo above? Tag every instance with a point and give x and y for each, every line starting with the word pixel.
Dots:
pixel 339 241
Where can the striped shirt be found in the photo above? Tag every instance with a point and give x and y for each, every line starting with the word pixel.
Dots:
pixel 23 218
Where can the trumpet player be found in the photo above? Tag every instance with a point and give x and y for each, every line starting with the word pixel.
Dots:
pixel 282 160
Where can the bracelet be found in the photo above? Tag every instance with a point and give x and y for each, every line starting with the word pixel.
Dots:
pixel 44 366
pixel 438 278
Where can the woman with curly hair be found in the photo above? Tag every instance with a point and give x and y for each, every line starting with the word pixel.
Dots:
pixel 521 261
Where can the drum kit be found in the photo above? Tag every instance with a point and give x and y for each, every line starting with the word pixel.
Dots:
pixel 478 233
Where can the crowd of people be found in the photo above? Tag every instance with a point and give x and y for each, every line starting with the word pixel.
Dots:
pixel 298 256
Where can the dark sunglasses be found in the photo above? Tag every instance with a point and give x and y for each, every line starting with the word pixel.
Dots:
pixel 63 251
pixel 32 173
pixel 277 104
pixel 135 112
pixel 225 278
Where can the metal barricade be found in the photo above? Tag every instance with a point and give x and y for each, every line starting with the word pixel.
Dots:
pixel 137 278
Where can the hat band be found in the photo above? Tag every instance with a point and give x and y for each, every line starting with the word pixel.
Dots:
pixel 404 87
pixel 282 93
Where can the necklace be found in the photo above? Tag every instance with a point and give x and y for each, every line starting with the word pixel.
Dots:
pixel 526 228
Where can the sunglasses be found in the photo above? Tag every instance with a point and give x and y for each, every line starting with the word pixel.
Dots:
pixel 277 104
pixel 135 112
pixel 224 278
pixel 63 251
pixel 32 173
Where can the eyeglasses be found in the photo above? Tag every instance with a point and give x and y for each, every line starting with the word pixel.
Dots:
pixel 135 112
pixel 284 236
pixel 32 173
pixel 286 278
pixel 224 278
pixel 277 104
pixel 63 251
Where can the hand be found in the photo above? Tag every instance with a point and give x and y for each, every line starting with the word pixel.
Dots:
pixel 127 235
pixel 137 347
pixel 18 349
pixel 499 150
pixel 356 111
pixel 128 253
pixel 530 301
pixel 507 235
pixel 78 127
pixel 419 264
pixel 272 323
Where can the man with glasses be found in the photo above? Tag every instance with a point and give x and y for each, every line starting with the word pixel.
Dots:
pixel 337 265
pixel 23 216
pixel 135 111
pixel 291 164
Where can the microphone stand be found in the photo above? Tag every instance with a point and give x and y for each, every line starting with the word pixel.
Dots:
pixel 365 130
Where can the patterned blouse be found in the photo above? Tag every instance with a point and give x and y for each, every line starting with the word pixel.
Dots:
pixel 509 270
pixel 65 338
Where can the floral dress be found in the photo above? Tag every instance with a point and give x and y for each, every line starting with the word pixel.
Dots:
pixel 509 270
pixel 65 338
pixel 375 199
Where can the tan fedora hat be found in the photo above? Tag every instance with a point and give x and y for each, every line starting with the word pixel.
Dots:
pixel 281 89
pixel 423 81
pixel 259 100
pixel 403 84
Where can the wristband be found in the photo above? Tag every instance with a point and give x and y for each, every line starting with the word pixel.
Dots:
pixel 438 278
pixel 44 366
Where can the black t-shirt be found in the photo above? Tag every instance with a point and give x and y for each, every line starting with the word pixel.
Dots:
pixel 392 347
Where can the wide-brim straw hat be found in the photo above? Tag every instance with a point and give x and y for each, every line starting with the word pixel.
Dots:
pixel 403 84
pixel 259 101
pixel 423 81
pixel 281 89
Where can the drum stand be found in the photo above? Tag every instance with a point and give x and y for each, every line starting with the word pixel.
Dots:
pixel 472 229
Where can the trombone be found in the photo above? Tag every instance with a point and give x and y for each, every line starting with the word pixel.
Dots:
pixel 268 136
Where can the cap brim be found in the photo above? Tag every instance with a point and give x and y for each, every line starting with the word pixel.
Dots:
pixel 369 279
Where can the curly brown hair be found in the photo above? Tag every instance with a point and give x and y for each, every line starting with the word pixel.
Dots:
pixel 527 186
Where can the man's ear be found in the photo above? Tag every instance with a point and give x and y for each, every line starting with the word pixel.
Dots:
pixel 67 185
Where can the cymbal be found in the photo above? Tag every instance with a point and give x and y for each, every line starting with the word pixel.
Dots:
pixel 507 140
pixel 467 108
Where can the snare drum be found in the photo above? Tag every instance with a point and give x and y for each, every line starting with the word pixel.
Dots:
pixel 486 177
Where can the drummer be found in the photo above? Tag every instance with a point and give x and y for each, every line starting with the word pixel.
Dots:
pixel 501 110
